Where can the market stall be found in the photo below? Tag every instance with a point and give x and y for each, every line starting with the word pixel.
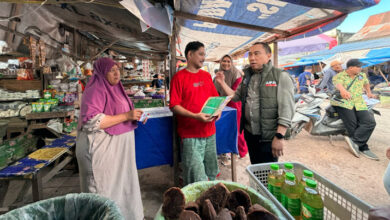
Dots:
pixel 153 140
pixel 60 53
pixel 43 70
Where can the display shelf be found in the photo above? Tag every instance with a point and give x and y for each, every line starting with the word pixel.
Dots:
pixel 19 99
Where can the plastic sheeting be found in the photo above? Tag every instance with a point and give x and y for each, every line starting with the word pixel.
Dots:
pixel 353 46
pixel 370 52
pixel 310 44
pixel 289 15
pixel 72 206
pixel 153 140
pixel 154 16
pixel 376 56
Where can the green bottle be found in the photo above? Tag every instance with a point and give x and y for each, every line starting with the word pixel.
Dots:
pixel 291 196
pixel 275 181
pixel 312 204
pixel 307 174
pixel 289 167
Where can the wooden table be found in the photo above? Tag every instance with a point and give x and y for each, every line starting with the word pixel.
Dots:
pixel 29 168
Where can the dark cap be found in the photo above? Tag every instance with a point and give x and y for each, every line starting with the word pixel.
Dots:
pixel 354 62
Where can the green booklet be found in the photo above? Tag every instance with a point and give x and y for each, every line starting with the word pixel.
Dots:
pixel 214 105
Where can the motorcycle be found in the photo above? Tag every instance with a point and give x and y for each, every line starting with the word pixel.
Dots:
pixel 308 116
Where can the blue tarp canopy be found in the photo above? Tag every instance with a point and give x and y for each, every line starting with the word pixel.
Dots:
pixel 353 46
pixel 309 61
pixel 376 56
pixel 371 52
pixel 295 18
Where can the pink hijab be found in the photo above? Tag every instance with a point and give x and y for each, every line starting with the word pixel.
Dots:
pixel 102 97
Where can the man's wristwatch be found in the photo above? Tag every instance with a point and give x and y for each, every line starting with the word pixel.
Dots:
pixel 279 136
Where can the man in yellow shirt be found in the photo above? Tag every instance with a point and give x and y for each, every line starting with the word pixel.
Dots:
pixel 353 109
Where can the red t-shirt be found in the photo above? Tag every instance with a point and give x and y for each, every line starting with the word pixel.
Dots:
pixel 191 90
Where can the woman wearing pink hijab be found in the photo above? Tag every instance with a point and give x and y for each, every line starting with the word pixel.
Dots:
pixel 105 140
pixel 233 79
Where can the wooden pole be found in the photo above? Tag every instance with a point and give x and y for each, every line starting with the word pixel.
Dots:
pixel 276 54
pixel 233 158
pixel 229 23
pixel 113 4
pixel 165 81
pixel 176 139
pixel 383 75
pixel 100 52
pixel 16 8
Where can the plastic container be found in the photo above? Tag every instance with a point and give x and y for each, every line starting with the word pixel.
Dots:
pixel 275 181
pixel 338 203
pixel 71 206
pixel 194 190
pixel 291 196
pixel 289 167
pixel 307 175
pixel 312 204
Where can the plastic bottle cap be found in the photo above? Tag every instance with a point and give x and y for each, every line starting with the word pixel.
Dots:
pixel 274 167
pixel 311 183
pixel 290 176
pixel 289 166
pixel 308 173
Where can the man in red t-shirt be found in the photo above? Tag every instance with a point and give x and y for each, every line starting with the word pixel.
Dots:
pixel 190 89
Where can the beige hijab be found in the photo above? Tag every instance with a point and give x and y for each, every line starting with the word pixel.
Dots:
pixel 231 75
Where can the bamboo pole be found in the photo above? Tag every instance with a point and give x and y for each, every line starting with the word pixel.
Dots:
pixel 383 75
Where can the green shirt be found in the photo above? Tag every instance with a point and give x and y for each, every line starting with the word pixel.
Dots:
pixel 356 91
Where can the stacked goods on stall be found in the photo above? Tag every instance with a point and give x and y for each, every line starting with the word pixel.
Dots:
pixel 15 149
pixel 15 104
pixel 21 69
pixel 58 97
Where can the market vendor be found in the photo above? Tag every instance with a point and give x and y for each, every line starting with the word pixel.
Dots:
pixel 190 89
pixel 157 81
pixel 105 140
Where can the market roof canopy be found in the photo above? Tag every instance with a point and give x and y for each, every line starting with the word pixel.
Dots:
pixel 101 24
pixel 309 44
pixel 371 45
pixel 370 52
pixel 278 19
pixel 377 26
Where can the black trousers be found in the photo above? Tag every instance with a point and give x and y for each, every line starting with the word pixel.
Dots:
pixel 359 125
pixel 259 152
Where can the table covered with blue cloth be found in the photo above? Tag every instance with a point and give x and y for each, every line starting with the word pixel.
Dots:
pixel 153 140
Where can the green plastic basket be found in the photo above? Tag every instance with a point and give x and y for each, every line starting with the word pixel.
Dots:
pixel 194 190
